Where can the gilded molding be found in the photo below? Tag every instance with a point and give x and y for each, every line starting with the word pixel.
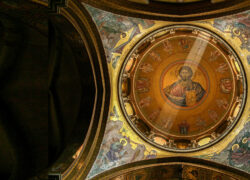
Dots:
pixel 177 13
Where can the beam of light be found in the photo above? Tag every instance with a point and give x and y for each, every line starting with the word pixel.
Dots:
pixel 195 54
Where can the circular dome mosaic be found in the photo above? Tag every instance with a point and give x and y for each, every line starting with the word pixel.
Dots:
pixel 182 88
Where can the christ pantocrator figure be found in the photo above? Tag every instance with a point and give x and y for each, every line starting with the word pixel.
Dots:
pixel 185 92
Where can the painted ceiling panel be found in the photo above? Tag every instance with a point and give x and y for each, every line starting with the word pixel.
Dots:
pixel 122 145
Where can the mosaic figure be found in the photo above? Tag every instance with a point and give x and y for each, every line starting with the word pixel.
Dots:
pixel 145 102
pixel 201 123
pixel 114 30
pixel 154 114
pixel 240 152
pixel 116 150
pixel 155 56
pixel 183 127
pixel 236 25
pixel 146 68
pixel 185 92
pixel 214 55
pixel 226 85
pixel 184 43
pixel 168 48
pixel 222 103
pixel 142 85
pixel 213 115
pixel 222 68
pixel 168 122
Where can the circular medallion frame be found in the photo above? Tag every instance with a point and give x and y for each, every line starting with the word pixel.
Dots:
pixel 182 88
pixel 164 76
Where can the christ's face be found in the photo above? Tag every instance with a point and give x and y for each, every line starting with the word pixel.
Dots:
pixel 185 75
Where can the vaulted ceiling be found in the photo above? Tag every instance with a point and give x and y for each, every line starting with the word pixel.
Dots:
pixel 60 114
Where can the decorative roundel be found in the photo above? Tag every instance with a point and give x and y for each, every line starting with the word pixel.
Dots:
pixel 182 88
